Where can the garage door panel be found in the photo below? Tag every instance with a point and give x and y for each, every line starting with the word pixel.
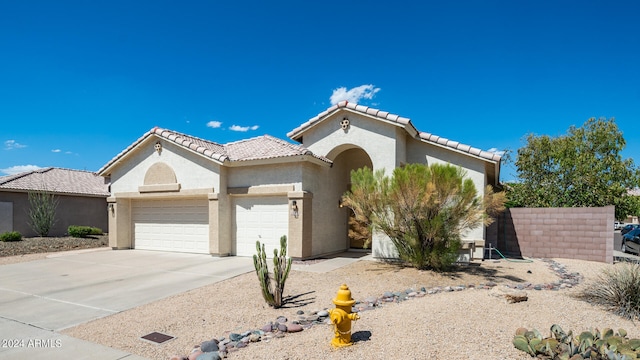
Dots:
pixel 260 219
pixel 180 225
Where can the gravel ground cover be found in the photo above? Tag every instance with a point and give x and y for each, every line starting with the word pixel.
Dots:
pixel 39 247
pixel 468 324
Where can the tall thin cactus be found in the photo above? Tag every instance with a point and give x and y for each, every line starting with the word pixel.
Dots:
pixel 282 266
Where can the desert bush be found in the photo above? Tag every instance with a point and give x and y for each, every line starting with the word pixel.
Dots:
pixel 282 266
pixel 79 231
pixel 96 231
pixel 617 288
pixel 10 236
pixel 424 210
pixel 42 211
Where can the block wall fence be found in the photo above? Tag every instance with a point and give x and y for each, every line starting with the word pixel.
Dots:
pixel 572 233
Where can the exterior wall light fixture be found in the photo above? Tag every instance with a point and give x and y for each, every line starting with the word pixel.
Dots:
pixel 294 209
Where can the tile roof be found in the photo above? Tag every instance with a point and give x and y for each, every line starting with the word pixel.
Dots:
pixel 401 121
pixel 258 148
pixel 57 180
pixel 266 147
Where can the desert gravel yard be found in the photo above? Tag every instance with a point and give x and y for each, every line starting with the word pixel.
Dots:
pixel 467 324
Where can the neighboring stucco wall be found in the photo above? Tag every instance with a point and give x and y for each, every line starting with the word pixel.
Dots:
pixel 71 210
pixel 192 171
pixel 573 233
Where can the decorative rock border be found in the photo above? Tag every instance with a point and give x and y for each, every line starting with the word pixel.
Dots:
pixel 219 348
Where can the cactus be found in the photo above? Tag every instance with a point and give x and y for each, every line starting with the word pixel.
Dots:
pixel 607 345
pixel 272 293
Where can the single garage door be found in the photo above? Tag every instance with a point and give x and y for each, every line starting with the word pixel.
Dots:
pixel 263 219
pixel 171 225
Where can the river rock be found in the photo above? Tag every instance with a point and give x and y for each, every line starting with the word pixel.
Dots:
pixel 294 328
pixel 209 346
pixel 213 355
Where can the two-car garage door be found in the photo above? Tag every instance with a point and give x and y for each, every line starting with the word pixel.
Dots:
pixel 183 225
pixel 171 225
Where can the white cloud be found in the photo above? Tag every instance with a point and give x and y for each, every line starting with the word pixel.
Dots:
pixel 56 150
pixel 496 151
pixel 353 95
pixel 243 128
pixel 12 144
pixel 19 169
pixel 214 124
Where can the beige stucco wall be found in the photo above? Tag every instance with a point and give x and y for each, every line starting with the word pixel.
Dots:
pixel 375 137
pixel 192 170
pixel 388 146
pixel 266 175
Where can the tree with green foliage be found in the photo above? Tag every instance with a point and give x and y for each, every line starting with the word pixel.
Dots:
pixel 42 211
pixel 424 210
pixel 582 168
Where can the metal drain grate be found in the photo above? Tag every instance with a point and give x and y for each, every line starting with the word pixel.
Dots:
pixel 157 337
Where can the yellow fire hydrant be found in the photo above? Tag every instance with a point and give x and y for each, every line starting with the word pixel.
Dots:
pixel 341 317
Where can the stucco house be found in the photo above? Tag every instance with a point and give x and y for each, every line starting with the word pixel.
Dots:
pixel 81 197
pixel 175 192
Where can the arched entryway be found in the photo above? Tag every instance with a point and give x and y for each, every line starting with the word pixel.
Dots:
pixel 345 159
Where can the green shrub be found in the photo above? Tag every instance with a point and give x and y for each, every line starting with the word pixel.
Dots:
pixel 617 289
pixel 96 231
pixel 79 231
pixel 11 236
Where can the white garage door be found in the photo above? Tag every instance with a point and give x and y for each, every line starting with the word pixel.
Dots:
pixel 260 219
pixel 171 225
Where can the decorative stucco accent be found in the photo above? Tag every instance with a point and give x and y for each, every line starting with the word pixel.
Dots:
pixel 159 188
pixel 160 173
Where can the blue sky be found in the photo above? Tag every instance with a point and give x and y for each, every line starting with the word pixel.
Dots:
pixel 81 80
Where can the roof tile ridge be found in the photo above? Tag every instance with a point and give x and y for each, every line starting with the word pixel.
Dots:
pixel 459 146
pixel 173 132
pixel 74 170
pixel 17 176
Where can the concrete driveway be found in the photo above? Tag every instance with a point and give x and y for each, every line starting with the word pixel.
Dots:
pixel 40 298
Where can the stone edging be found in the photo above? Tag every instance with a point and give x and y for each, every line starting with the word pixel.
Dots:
pixel 218 348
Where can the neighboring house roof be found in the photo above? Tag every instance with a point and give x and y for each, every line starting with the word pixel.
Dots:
pixel 57 180
pixel 258 148
pixel 296 134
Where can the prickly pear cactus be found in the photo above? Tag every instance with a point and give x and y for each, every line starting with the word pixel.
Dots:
pixel 605 345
